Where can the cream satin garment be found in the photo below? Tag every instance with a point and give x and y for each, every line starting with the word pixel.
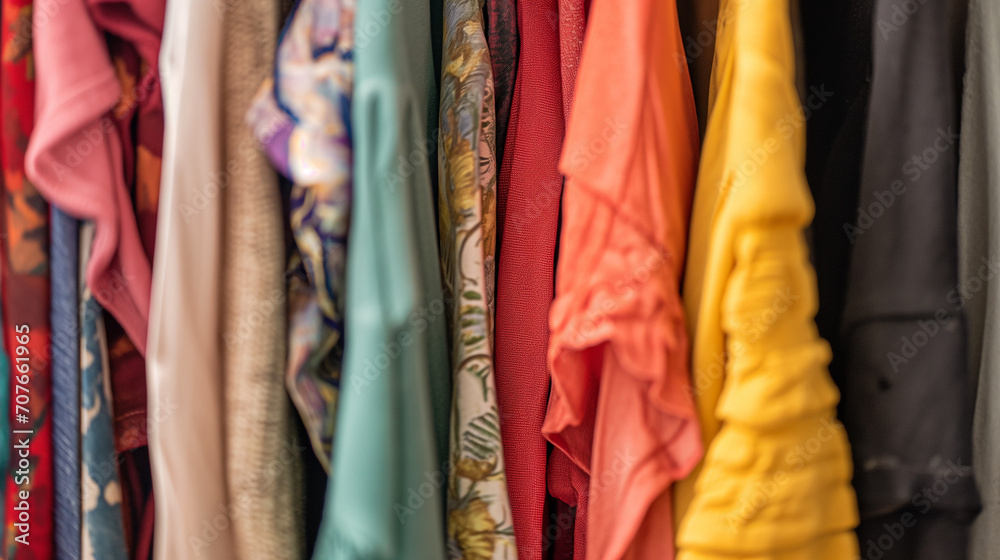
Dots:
pixel 184 363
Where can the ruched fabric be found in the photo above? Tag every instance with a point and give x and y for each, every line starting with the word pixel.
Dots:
pixel 775 480
pixel 621 407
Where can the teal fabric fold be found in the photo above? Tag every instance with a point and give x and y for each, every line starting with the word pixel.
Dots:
pixel 385 498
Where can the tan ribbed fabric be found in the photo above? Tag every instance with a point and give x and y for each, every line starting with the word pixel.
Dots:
pixel 263 461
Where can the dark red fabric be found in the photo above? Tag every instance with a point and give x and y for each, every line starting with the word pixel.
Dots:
pixel 569 484
pixel 529 191
pixel 25 283
pixel 502 39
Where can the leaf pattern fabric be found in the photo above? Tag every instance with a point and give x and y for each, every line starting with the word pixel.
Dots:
pixel 302 119
pixel 479 516
pixel 102 529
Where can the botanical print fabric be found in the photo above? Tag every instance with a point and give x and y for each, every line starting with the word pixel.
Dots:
pixel 302 119
pixel 24 276
pixel 479 516
pixel 102 534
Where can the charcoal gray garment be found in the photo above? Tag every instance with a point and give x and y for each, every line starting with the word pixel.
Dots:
pixel 979 257
pixel 882 161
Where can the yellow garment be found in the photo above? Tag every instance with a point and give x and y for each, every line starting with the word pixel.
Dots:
pixel 775 481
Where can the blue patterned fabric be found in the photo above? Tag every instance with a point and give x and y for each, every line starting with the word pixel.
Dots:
pixel 103 534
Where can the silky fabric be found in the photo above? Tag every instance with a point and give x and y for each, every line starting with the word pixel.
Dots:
pixel 906 399
pixel 184 355
pixel 102 531
pixel 621 406
pixel 302 120
pixel 528 193
pixel 979 257
pixel 24 281
pixel 765 400
pixel 479 516
pixel 65 315
pixel 392 419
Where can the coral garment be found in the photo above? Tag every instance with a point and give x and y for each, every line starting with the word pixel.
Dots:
pixel 528 195
pixel 621 406
pixel 775 480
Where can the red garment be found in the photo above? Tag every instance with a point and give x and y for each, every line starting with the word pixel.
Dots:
pixel 621 407
pixel 572 25
pixel 24 277
pixel 528 196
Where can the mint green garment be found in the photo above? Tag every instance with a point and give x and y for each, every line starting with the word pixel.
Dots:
pixel 385 496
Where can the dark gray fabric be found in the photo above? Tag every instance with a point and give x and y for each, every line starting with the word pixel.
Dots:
pixel 882 161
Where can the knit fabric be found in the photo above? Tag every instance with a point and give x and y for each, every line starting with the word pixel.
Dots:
pixel 263 460
pixel 527 220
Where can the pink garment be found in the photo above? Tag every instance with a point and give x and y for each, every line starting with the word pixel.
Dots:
pixel 75 156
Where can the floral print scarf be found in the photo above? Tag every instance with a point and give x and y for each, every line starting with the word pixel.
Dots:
pixel 479 516
pixel 302 119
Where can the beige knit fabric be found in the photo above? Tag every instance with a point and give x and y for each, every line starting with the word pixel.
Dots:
pixel 263 460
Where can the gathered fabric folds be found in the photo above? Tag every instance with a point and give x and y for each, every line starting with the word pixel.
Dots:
pixel 775 479
pixel 621 406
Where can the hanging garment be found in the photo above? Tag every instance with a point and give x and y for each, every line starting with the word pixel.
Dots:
pixel 528 192
pixel 138 120
pixel 621 406
pixel 567 483
pixel 774 482
pixel 24 281
pixel 572 25
pixel 905 398
pixel 184 357
pixel 102 533
pixel 385 496
pixel 479 517
pixel 838 53
pixel 979 258
pixel 302 119
pixel 65 315
pixel 263 460
pixel 500 26
pixel 77 154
